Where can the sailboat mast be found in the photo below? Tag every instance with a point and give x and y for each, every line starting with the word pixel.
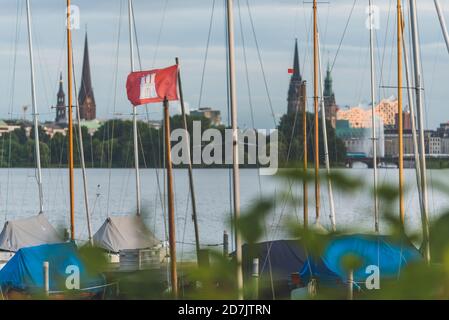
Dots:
pixel 326 146
pixel 400 114
pixel 442 23
pixel 35 114
pixel 235 143
pixel 70 135
pixel 315 105
pixel 412 120
pixel 419 107
pixel 191 184
pixel 136 146
pixel 373 114
pixel 83 168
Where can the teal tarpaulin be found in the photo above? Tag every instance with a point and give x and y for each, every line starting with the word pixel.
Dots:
pixel 25 269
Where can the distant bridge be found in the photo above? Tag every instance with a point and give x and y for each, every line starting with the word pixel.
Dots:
pixel 352 158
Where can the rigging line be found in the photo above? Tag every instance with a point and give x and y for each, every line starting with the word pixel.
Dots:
pixel 344 34
pixel 150 131
pixel 206 53
pixel 261 63
pixel 160 32
pixel 19 12
pixel 110 144
pixel 253 123
pixel 381 76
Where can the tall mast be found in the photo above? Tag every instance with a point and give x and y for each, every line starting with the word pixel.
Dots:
pixel 83 167
pixel 171 203
pixel 136 146
pixel 442 23
pixel 35 114
pixel 400 114
pixel 419 107
pixel 373 114
pixel 69 84
pixel 326 146
pixel 408 79
pixel 191 184
pixel 315 105
pixel 235 144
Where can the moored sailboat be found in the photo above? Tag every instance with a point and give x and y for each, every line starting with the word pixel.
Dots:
pixel 35 230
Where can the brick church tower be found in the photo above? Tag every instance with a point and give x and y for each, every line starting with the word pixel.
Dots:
pixel 60 105
pixel 330 105
pixel 297 90
pixel 86 100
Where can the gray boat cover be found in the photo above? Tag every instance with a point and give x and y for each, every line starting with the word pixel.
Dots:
pixel 124 233
pixel 28 232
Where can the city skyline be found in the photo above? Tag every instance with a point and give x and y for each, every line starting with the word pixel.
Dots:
pixel 280 20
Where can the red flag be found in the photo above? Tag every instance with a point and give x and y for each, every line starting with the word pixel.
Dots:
pixel 291 71
pixel 152 86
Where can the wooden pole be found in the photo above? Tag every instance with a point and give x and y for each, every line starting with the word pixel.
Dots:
pixel 45 268
pixel 70 135
pixel 350 292
pixel 316 111
pixel 171 204
pixel 255 275
pixel 225 244
pixel 191 184
pixel 400 114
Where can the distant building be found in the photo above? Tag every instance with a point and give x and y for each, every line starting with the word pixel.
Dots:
pixel 359 117
pixel 330 105
pixel 86 99
pixel 91 125
pixel 213 115
pixel 51 128
pixel 406 121
pixel 358 140
pixel 392 142
pixel 60 104
pixel 296 100
pixel 6 128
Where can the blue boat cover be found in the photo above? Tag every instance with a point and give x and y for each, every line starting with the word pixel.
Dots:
pixel 389 255
pixel 24 271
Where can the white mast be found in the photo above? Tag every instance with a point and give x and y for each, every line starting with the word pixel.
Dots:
pixel 442 23
pixel 235 143
pixel 419 106
pixel 35 114
pixel 326 147
pixel 408 77
pixel 373 115
pixel 136 146
pixel 83 170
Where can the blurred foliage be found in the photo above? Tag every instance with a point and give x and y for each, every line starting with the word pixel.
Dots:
pixel 217 280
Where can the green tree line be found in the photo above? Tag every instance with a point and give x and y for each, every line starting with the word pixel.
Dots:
pixel 112 144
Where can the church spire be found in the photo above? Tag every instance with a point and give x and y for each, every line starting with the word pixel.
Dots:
pixel 296 70
pixel 86 98
pixel 328 90
pixel 297 89
pixel 60 105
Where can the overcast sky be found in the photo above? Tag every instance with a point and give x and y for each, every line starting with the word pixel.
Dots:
pixel 170 28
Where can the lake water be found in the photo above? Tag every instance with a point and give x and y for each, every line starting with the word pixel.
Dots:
pixel 112 192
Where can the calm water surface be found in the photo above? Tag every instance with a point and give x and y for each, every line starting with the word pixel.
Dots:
pixel 112 192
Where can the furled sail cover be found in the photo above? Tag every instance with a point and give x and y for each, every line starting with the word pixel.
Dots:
pixel 124 233
pixel 28 232
pixel 24 270
pixel 388 254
